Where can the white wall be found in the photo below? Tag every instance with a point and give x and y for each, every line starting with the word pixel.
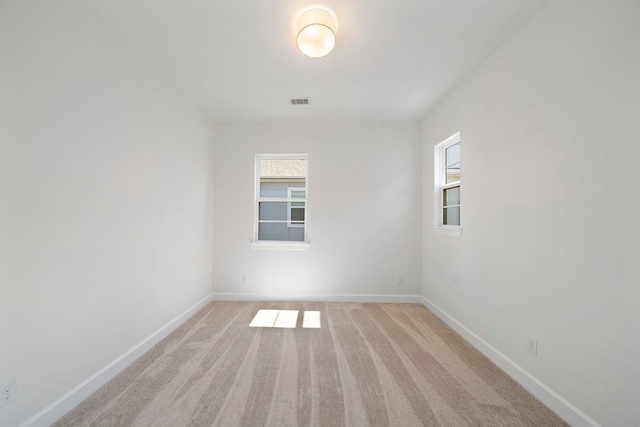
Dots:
pixel 106 202
pixel 364 210
pixel 550 204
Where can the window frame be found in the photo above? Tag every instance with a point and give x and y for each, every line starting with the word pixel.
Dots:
pixel 257 199
pixel 440 185
pixel 289 206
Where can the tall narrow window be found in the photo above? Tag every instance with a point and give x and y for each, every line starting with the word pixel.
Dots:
pixel 447 184
pixel 281 198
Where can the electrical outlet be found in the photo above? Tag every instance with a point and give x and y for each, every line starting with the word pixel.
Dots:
pixel 245 277
pixel 400 280
pixel 533 346
pixel 8 392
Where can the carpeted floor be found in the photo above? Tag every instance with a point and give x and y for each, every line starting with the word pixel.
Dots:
pixel 369 364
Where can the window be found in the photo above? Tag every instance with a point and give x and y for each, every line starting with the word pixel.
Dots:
pixel 281 199
pixel 447 185
pixel 295 210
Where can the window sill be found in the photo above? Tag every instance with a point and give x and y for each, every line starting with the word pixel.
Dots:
pixel 281 246
pixel 448 230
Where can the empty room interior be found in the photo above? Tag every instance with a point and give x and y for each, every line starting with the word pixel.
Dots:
pixel 469 164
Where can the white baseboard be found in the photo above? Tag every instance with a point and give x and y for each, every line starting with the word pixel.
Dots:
pixel 416 299
pixel 546 395
pixel 553 400
pixel 67 402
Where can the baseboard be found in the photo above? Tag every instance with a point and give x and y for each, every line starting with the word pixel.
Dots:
pixel 546 395
pixel 67 402
pixel 553 400
pixel 416 299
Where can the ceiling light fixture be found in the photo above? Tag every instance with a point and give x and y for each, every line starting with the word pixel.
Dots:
pixel 316 32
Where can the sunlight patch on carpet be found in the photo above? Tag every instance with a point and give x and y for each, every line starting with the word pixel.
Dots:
pixel 311 319
pixel 264 319
pixel 285 319
pixel 275 319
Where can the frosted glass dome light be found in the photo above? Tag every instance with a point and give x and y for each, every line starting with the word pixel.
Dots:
pixel 316 32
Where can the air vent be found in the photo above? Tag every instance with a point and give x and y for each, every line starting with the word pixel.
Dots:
pixel 300 101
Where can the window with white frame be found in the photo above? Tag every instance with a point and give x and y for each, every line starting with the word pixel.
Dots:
pixel 447 184
pixel 281 198
pixel 295 210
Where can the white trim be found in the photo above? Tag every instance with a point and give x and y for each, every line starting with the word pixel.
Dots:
pixel 282 246
pixel 574 416
pixel 411 299
pixel 72 398
pixel 549 397
pixel 282 199
pixel 448 230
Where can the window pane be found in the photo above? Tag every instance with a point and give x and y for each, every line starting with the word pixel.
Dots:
pixel 452 159
pixel 277 211
pixel 451 216
pixel 297 194
pixel 271 189
pixel 297 215
pixel 280 232
pixel 452 196
pixel 277 175
pixel 283 168
pixel 453 154
pixel 272 211
pixel 453 173
pixel 279 188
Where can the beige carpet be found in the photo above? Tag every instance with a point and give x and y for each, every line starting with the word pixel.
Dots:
pixel 369 364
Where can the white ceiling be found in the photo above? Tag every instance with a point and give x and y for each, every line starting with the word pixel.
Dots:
pixel 393 60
